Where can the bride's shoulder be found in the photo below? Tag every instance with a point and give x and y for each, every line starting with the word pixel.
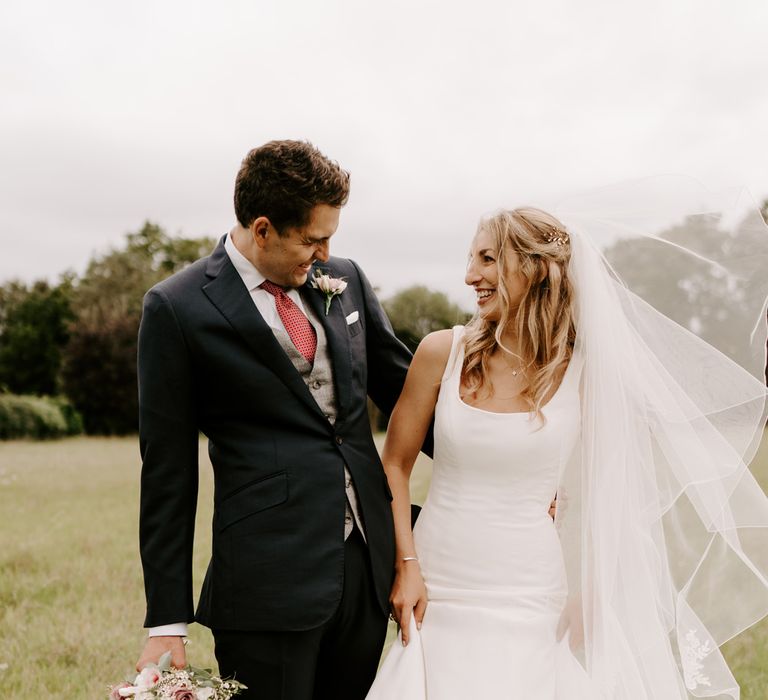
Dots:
pixel 429 364
pixel 431 357
pixel 436 345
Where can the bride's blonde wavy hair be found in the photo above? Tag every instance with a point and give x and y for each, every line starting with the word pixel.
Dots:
pixel 544 319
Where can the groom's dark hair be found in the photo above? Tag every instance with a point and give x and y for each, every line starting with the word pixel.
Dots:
pixel 284 180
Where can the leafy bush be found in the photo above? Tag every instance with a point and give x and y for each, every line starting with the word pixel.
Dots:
pixel 72 417
pixel 37 417
pixel 98 371
pixel 417 311
pixel 33 330
pixel 99 374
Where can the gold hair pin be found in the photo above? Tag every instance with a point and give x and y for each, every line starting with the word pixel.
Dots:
pixel 556 236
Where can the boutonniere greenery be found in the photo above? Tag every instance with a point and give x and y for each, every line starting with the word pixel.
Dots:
pixel 330 286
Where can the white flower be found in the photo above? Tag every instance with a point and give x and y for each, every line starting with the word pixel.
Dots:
pixel 148 678
pixel 205 693
pixel 136 693
pixel 330 286
pixel 691 654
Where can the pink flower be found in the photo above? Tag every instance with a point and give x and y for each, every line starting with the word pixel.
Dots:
pixel 184 694
pixel 330 286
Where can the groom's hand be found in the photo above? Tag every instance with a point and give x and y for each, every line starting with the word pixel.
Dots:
pixel 157 646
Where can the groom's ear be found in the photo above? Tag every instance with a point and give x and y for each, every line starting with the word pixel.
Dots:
pixel 260 229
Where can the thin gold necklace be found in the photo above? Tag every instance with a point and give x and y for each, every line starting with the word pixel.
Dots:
pixel 515 371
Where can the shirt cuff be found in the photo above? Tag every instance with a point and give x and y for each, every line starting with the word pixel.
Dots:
pixel 177 629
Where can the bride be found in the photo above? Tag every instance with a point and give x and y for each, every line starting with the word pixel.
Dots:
pixel 565 384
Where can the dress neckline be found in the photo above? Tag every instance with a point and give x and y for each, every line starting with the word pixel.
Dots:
pixel 552 399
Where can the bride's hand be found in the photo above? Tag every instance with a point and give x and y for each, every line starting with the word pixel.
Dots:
pixel 408 597
pixel 571 621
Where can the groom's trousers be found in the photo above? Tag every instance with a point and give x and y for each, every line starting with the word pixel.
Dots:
pixel 337 660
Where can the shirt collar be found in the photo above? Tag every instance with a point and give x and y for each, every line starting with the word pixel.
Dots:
pixel 251 277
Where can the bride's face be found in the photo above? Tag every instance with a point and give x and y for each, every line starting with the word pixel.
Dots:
pixel 483 275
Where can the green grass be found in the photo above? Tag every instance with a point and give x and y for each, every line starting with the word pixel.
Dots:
pixel 71 594
pixel 747 654
pixel 71 597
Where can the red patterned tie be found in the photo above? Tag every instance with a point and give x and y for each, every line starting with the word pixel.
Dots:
pixel 296 323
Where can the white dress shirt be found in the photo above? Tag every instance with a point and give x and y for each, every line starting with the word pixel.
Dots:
pixel 252 278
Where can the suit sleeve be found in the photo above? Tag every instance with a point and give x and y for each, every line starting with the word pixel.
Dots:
pixel 388 358
pixel 168 435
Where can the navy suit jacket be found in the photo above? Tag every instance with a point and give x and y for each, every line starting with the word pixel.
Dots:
pixel 208 362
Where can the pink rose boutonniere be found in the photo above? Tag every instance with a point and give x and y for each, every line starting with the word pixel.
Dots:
pixel 330 286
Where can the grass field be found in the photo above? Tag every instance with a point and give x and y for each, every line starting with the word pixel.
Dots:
pixel 71 597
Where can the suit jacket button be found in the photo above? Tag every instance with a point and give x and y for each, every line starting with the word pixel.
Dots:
pixel 339 439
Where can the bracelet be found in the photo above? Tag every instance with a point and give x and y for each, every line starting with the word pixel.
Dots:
pixel 410 559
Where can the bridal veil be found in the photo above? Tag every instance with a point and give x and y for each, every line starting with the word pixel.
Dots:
pixel 664 528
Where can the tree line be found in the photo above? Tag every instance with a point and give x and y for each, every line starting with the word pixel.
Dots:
pixel 76 340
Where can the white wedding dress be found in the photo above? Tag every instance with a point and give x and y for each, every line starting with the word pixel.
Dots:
pixel 491 557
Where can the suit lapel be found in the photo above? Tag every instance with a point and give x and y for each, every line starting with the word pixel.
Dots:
pixel 335 324
pixel 228 294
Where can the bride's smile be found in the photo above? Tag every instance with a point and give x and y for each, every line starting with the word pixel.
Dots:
pixel 483 274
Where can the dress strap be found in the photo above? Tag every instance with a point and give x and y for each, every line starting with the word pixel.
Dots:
pixel 455 359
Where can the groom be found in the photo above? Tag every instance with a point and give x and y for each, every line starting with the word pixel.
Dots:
pixel 242 347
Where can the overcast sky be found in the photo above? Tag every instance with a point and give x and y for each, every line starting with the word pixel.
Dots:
pixel 113 113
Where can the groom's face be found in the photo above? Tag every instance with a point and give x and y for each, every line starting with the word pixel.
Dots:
pixel 286 260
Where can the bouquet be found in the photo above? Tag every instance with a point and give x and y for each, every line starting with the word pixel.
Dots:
pixel 161 682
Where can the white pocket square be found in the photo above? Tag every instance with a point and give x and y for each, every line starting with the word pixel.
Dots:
pixel 352 318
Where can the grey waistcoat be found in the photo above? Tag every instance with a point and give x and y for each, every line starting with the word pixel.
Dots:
pixel 319 381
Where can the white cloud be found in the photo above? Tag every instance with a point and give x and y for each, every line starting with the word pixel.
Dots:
pixel 442 111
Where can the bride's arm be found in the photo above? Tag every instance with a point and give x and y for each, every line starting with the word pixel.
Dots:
pixel 407 429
